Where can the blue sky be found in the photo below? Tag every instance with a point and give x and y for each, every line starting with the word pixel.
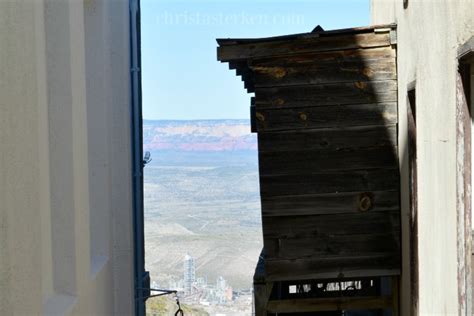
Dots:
pixel 182 78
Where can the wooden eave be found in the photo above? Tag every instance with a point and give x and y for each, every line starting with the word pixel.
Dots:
pixel 240 52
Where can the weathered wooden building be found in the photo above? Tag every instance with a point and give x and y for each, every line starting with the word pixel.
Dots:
pixel 326 113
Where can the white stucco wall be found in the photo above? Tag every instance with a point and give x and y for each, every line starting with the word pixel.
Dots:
pixel 429 34
pixel 65 170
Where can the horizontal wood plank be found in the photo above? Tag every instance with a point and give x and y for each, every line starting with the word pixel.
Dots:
pixel 301 45
pixel 342 116
pixel 359 92
pixel 322 246
pixel 332 267
pixel 329 182
pixel 350 71
pixel 317 226
pixel 377 28
pixel 335 203
pixel 303 162
pixel 329 139
pixel 311 305
pixel 305 59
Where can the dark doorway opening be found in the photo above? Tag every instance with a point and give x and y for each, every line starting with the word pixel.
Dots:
pixel 413 195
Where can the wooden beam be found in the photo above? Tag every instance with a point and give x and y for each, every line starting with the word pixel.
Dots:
pixel 466 49
pixel 301 45
pixel 330 182
pixel 332 267
pixel 261 288
pixel 332 116
pixel 302 162
pixel 332 203
pixel 309 305
pixel 366 244
pixel 327 139
pixel 320 226
pixel 374 54
pixel 359 92
pixel 262 293
pixel 337 32
pixel 396 296
pixel 337 71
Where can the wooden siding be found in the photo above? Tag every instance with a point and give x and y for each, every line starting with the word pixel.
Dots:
pixel 326 113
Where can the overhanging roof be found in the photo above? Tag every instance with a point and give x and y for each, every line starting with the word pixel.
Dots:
pixel 240 52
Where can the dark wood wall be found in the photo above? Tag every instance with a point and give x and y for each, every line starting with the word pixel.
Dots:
pixel 325 110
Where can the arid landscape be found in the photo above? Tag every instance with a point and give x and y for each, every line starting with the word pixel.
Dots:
pixel 202 198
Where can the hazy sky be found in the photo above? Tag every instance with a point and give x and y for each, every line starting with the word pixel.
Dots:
pixel 181 76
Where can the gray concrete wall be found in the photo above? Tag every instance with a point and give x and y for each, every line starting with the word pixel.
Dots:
pixel 429 34
pixel 65 171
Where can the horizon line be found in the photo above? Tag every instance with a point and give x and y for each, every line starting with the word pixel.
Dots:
pixel 199 119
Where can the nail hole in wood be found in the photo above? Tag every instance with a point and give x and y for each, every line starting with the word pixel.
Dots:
pixel 260 116
pixel 365 202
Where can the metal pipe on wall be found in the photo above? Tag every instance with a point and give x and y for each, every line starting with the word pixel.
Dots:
pixel 141 277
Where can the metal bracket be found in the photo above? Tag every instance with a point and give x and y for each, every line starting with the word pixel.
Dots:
pixel 393 37
pixel 382 30
pixel 147 159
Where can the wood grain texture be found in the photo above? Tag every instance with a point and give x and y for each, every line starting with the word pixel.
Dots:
pixel 326 117
pixel 328 139
pixel 301 45
pixel 260 298
pixel 347 71
pixel 329 267
pixel 334 203
pixel 302 162
pixel 315 226
pixel 324 68
pixel 341 245
pixel 305 59
pixel 326 113
pixel 359 92
pixel 311 305
pixel 330 182
pixel 315 33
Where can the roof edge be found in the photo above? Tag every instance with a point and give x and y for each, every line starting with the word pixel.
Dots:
pixel 354 30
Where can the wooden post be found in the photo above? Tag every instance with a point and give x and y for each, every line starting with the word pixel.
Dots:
pixel 261 288
pixel 395 296
pixel 260 293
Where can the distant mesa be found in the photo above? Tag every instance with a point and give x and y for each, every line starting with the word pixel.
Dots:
pixel 198 135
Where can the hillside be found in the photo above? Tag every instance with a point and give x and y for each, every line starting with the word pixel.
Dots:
pixel 202 198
